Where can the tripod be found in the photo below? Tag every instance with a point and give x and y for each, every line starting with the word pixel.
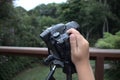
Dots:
pixel 67 68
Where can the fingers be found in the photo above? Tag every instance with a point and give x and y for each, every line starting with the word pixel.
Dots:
pixel 79 37
pixel 73 31
pixel 73 43
pixel 79 47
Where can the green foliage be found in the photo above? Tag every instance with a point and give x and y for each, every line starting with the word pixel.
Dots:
pixel 48 21
pixel 37 74
pixel 103 44
pixel 11 65
pixel 22 31
pixel 7 19
pixel 45 10
pixel 90 14
pixel 109 41
pixel 19 27
pixel 6 10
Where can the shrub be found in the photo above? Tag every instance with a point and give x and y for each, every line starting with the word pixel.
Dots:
pixel 109 41
pixel 11 65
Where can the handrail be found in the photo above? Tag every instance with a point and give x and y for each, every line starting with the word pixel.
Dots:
pixel 105 53
pixel 99 55
pixel 43 52
pixel 24 51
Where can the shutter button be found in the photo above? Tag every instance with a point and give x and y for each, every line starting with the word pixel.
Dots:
pixel 56 34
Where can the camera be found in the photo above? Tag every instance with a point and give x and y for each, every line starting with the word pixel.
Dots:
pixel 57 41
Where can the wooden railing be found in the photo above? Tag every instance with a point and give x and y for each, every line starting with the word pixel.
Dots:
pixel 99 55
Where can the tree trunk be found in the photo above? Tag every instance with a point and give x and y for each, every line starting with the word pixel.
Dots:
pixel 88 33
pixel 105 26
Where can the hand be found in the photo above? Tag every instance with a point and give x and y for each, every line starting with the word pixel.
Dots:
pixel 80 55
pixel 79 47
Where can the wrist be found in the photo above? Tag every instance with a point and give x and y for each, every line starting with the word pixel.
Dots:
pixel 84 71
pixel 82 63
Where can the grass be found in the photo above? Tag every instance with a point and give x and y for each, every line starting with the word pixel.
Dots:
pixel 36 73
pixel 40 72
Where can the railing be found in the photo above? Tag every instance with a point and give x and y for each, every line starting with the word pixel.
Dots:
pixel 99 55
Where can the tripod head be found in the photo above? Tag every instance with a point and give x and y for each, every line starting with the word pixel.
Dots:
pixel 55 63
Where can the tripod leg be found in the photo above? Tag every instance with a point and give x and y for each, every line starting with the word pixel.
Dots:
pixel 50 75
pixel 69 74
pixel 68 71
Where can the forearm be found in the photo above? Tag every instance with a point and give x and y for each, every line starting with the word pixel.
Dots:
pixel 84 71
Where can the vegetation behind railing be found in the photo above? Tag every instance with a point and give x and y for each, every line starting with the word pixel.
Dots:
pixel 99 55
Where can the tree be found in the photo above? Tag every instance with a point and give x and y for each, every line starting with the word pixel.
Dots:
pixel 90 14
pixel 7 20
pixel 45 10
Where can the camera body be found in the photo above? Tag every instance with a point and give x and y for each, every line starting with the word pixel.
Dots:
pixel 57 41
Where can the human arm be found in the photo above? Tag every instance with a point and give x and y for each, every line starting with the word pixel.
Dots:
pixel 80 55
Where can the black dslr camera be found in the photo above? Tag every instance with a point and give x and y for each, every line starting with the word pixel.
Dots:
pixel 57 41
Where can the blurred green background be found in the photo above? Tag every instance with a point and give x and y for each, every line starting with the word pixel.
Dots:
pixel 99 23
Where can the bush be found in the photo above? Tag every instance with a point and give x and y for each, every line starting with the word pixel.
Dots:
pixel 109 41
pixel 11 65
